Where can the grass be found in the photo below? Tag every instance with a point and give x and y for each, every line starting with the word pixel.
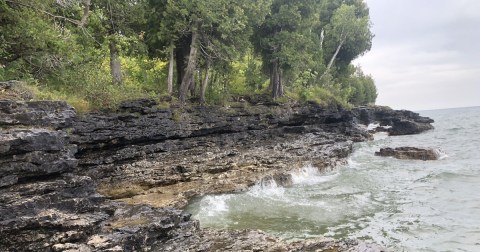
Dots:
pixel 102 96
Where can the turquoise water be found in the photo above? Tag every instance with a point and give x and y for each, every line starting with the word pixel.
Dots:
pixel 401 204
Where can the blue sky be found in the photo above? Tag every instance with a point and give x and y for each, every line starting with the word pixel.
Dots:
pixel 425 54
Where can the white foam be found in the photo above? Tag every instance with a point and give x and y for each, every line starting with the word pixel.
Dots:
pixel 441 154
pixel 372 126
pixel 266 188
pixel 380 135
pixel 213 205
pixel 309 175
pixel 351 163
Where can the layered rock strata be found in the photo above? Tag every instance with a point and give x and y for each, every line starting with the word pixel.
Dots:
pixel 46 206
pixel 60 173
pixel 164 157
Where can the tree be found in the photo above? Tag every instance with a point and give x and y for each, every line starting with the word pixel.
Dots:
pixel 211 31
pixel 36 39
pixel 118 20
pixel 363 88
pixel 349 32
pixel 285 40
pixel 167 34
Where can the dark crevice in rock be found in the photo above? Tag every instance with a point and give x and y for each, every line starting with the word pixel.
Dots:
pixel 39 178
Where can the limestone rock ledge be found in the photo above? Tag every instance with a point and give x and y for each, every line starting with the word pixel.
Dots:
pixel 45 206
pixel 115 181
pixel 164 157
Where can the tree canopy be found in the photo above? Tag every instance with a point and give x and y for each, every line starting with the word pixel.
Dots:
pixel 98 52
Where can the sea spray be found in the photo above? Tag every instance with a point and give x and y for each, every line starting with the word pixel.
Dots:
pixel 402 204
pixel 267 188
pixel 310 175
pixel 213 205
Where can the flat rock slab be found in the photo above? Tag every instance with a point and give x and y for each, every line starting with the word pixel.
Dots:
pixel 410 153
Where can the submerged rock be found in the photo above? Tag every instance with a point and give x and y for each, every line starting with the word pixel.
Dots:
pixel 410 153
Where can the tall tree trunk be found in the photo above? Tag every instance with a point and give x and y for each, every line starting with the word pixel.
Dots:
pixel 276 80
pixel 205 82
pixel 322 38
pixel 189 71
pixel 180 57
pixel 333 59
pixel 170 70
pixel 86 13
pixel 214 80
pixel 115 66
pixel 193 84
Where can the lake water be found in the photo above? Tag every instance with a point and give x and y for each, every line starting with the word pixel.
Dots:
pixel 403 205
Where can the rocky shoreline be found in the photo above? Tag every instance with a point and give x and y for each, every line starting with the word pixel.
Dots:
pixel 117 181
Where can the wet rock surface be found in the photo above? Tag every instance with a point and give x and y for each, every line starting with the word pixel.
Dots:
pixel 116 181
pixel 255 240
pixel 410 153
pixel 402 122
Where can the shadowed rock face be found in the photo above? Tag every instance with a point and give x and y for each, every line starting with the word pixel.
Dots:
pixel 53 164
pixel 402 122
pixel 409 153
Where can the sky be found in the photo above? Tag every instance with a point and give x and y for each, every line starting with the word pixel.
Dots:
pixel 425 53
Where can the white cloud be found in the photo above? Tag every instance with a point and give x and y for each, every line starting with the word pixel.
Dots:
pixel 425 54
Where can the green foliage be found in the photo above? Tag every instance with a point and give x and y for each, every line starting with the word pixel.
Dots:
pixel 241 43
pixel 285 35
pixel 254 77
pixel 320 96
pixel 31 45
pixel 350 26
pixel 92 89
pixel 364 91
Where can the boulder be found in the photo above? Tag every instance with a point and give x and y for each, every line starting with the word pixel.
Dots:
pixel 408 127
pixel 409 153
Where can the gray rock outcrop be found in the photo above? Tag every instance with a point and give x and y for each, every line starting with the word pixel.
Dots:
pixel 45 206
pixel 402 122
pixel 410 153
pixel 115 181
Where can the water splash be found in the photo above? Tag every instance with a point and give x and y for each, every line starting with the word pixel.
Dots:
pixel 310 175
pixel 405 206
pixel 267 188
pixel 441 154
pixel 214 205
